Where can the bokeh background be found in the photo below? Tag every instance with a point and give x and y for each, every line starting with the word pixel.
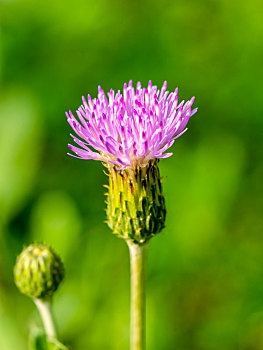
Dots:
pixel 205 271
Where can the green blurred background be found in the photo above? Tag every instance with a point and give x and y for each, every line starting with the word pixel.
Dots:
pixel 205 271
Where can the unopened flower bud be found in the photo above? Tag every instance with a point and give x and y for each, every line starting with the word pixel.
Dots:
pixel 38 271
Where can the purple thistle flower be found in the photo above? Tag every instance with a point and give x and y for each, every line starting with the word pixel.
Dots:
pixel 132 128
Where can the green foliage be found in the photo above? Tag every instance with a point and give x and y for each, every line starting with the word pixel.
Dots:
pixel 19 153
pixel 54 217
pixel 38 341
pixel 56 345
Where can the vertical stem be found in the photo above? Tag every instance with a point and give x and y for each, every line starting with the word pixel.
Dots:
pixel 45 310
pixel 137 261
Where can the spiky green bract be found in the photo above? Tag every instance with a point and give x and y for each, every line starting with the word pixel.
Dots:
pixel 38 271
pixel 135 202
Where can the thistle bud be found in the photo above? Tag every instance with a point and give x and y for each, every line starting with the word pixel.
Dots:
pixel 38 271
pixel 135 202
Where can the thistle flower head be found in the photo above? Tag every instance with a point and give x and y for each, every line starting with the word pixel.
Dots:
pixel 131 128
pixel 38 271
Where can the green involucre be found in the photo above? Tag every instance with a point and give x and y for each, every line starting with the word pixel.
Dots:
pixel 38 271
pixel 135 202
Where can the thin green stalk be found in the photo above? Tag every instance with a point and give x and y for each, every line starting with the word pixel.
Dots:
pixel 45 310
pixel 138 262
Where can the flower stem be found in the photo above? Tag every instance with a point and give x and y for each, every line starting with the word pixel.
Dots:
pixel 137 261
pixel 45 310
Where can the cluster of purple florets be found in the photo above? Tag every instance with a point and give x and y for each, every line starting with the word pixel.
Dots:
pixel 131 128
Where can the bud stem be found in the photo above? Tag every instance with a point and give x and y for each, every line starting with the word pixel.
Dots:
pixel 138 262
pixel 45 310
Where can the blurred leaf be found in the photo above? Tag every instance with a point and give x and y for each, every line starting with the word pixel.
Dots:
pixel 1 50
pixel 37 340
pixel 20 144
pixel 55 219
pixel 9 336
pixel 56 345
pixel 205 182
